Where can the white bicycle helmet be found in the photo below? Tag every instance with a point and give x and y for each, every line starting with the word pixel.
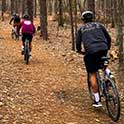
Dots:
pixel 87 15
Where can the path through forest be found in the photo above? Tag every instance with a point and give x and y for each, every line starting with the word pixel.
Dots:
pixel 52 89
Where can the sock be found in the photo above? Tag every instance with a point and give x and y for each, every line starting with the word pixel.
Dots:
pixel 22 48
pixel 107 71
pixel 97 98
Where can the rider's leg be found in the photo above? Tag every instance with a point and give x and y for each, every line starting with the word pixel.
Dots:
pixel 30 47
pixel 23 44
pixel 91 67
pixel 93 81
pixel 30 43
pixel 94 85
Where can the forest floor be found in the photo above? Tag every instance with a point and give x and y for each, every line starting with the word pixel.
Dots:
pixel 52 89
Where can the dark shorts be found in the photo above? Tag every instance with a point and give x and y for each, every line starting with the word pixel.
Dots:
pixel 27 36
pixel 92 61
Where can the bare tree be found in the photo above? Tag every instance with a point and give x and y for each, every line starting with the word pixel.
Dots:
pixel 29 8
pixel 60 19
pixel 49 6
pixel 91 5
pixel 35 8
pixel 23 7
pixel 72 25
pixel 12 6
pixel 3 9
pixel 75 13
pixel 43 19
pixel 119 30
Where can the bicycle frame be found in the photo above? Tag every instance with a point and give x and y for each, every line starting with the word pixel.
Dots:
pixel 107 85
pixel 14 33
pixel 107 88
pixel 101 83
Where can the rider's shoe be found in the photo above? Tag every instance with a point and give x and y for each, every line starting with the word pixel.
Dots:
pixel 30 54
pixel 97 104
pixel 22 50
pixel 111 76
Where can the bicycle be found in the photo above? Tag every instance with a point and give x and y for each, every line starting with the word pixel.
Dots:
pixel 26 52
pixel 107 89
pixel 14 33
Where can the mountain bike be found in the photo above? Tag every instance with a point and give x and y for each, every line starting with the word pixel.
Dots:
pixel 26 52
pixel 14 33
pixel 108 90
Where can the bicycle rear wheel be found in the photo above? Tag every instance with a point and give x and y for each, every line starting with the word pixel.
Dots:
pixel 26 54
pixel 112 100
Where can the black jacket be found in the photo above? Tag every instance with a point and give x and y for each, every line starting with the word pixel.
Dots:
pixel 94 37
pixel 15 19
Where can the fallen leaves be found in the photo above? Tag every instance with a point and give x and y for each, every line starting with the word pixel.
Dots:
pixel 52 89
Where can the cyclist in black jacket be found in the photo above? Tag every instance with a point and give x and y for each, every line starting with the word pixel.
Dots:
pixel 16 21
pixel 96 42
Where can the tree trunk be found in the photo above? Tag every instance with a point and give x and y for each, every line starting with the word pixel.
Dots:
pixel 12 6
pixel 55 7
pixel 29 8
pixel 72 26
pixel 119 30
pixel 3 9
pixel 49 6
pixel 23 7
pixel 43 19
pixel 91 5
pixel 112 16
pixel 120 40
pixel 79 5
pixel 60 19
pixel 35 8
pixel 75 13
pixel 17 6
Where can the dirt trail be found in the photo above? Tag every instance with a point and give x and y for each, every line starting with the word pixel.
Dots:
pixel 50 90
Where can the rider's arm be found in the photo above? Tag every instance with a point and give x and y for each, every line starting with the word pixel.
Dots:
pixel 20 25
pixel 78 40
pixel 107 36
pixel 11 21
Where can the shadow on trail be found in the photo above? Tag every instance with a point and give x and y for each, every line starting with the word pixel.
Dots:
pixel 79 100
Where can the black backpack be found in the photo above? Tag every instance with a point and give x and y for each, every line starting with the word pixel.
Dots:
pixel 17 19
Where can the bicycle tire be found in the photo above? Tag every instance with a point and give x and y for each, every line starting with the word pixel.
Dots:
pixel 26 54
pixel 112 100
pixel 14 34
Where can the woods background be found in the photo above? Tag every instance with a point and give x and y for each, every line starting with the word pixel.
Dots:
pixel 67 12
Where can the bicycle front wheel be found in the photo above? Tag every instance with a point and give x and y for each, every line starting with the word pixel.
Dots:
pixel 112 100
pixel 26 56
